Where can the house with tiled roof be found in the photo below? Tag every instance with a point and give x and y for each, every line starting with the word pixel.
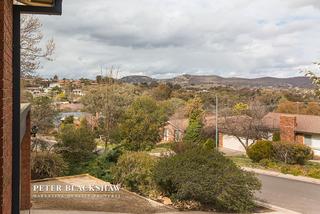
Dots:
pixel 296 128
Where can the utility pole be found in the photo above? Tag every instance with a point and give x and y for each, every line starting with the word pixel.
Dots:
pixel 217 132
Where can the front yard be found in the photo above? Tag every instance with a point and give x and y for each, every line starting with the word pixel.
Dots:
pixel 310 169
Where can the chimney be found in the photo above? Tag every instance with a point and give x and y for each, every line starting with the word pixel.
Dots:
pixel 287 128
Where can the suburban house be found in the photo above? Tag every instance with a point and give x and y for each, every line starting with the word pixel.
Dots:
pixel 78 92
pixel 304 129
pixel 175 128
pixel 296 128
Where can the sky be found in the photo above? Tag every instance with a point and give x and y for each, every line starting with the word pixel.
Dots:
pixel 166 38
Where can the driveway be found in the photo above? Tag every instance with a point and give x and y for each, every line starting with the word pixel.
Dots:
pixel 290 194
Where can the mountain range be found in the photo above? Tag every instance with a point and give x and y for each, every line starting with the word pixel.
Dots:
pixel 187 80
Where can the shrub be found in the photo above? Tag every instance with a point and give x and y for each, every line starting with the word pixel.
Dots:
pixel 134 171
pixel 293 170
pixel 291 153
pixel 101 166
pixel 260 150
pixel 209 144
pixel 47 165
pixel 180 147
pixel 314 172
pixel 206 177
pixel 276 136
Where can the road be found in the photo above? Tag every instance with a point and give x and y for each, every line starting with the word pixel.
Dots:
pixel 290 194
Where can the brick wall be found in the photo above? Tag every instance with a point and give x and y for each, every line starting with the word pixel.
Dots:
pixel 220 140
pixel 170 134
pixel 5 105
pixel 299 138
pixel 287 128
pixel 25 167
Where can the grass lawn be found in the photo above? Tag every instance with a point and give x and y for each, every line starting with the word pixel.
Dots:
pixel 309 170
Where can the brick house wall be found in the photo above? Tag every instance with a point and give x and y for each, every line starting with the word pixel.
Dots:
pixel 299 138
pixel 168 133
pixel 25 203
pixel 287 129
pixel 5 105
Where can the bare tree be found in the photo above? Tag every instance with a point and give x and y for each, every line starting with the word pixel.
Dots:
pixel 31 45
pixel 314 78
pixel 245 124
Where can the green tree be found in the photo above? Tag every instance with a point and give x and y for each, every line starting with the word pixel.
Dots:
pixel 43 114
pixel 139 128
pixel 194 132
pixel 76 145
pixel 110 102
pixel 162 92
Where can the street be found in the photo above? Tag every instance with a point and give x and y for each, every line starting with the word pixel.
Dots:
pixel 290 194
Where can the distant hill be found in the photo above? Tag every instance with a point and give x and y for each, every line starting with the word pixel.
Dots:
pixel 137 79
pixel 214 80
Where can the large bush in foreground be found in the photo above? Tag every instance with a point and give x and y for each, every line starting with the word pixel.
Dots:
pixel 260 150
pixel 291 153
pixel 206 177
pixel 134 171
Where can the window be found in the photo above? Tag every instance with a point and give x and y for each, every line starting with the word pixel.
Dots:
pixel 166 134
pixel 176 135
pixel 308 140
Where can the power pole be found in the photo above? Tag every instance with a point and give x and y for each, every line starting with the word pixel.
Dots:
pixel 217 132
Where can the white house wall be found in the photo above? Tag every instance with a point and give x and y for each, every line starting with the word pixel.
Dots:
pixel 231 142
pixel 315 144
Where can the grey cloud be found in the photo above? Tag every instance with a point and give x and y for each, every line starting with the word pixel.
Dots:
pixel 163 38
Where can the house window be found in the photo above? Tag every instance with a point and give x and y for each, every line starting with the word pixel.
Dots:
pixel 166 134
pixel 176 135
pixel 308 140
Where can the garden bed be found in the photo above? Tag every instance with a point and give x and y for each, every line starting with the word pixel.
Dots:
pixel 310 169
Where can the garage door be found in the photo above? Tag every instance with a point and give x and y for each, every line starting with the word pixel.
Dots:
pixel 231 142
pixel 314 142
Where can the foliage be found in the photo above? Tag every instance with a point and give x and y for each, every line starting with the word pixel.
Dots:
pixel 193 134
pixel 246 127
pixel 311 108
pixel 162 92
pixel 239 108
pixel 209 144
pixel 260 150
pixel 194 131
pixel 76 145
pixel 276 136
pixel 171 106
pixel 110 102
pixel 206 177
pixel 195 108
pixel 69 120
pixel 43 114
pixel 100 167
pixel 139 128
pixel 291 153
pixel 47 165
pixel 309 169
pixel 134 171
pixel 181 147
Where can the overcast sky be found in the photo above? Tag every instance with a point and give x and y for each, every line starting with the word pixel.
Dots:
pixel 165 38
